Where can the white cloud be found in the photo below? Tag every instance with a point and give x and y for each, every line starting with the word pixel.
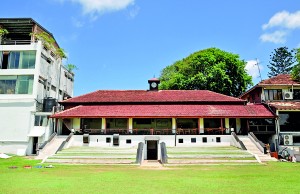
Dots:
pixel 77 23
pixel 276 37
pixel 103 6
pixel 253 67
pixel 134 12
pixel 284 19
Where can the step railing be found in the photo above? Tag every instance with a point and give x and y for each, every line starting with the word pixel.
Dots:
pixel 139 153
pixel 62 145
pixel 236 142
pixel 47 141
pixel 164 156
pixel 259 144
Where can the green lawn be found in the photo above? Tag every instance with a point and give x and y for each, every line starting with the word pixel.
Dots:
pixel 274 177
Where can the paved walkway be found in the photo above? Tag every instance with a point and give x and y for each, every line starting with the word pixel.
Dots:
pixel 151 164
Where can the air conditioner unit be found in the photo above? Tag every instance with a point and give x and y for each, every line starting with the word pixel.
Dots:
pixel 288 95
pixel 288 140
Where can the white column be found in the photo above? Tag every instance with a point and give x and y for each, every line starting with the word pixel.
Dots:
pixel 201 125
pixel 103 124
pixel 227 125
pixel 130 123
pixel 174 125
pixel 238 125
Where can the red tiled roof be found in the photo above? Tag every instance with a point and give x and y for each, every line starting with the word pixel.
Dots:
pixel 159 111
pixel 142 96
pixel 286 105
pixel 281 79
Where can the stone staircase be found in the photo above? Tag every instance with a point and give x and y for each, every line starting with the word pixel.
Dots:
pixel 51 147
pixel 208 155
pixel 251 148
pixel 94 155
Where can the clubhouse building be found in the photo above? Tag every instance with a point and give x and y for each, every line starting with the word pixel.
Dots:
pixel 184 118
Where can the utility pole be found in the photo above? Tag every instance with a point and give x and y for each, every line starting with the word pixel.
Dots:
pixel 257 64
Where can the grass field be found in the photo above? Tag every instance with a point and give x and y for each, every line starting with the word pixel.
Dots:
pixel 275 177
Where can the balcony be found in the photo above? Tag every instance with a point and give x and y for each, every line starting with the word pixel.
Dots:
pixel 16 42
pixel 179 131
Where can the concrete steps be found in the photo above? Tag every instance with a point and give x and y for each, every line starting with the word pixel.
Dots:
pixel 208 155
pixel 251 148
pixel 94 155
pixel 51 147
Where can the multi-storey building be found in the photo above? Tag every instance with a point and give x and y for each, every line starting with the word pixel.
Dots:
pixel 32 80
pixel 282 94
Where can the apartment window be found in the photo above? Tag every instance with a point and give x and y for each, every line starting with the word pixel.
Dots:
pixel 21 84
pixel 296 95
pixel 40 120
pixel 53 88
pixel 17 59
pixel 48 60
pixel 273 94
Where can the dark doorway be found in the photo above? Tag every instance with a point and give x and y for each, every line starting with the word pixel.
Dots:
pixel 151 150
pixel 65 130
pixel 34 145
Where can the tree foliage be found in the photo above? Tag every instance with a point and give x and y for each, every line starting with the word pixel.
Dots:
pixel 3 31
pixel 71 67
pixel 296 69
pixel 282 61
pixel 209 69
pixel 49 42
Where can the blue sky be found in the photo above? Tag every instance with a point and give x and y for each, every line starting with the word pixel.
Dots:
pixel 120 44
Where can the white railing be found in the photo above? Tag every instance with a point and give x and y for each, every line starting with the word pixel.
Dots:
pixel 16 42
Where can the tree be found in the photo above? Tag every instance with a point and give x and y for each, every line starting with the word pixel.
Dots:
pixel 282 61
pixel 71 67
pixel 296 69
pixel 209 69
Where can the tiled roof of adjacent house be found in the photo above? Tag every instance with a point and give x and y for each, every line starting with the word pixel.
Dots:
pixel 144 96
pixel 166 111
pixel 281 79
pixel 288 105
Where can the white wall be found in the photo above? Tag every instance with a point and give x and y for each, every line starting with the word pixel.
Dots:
pixel 100 140
pixel 16 120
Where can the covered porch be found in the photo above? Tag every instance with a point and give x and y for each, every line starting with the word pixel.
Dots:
pixel 159 119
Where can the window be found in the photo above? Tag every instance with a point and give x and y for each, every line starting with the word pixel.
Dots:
pixel 273 94
pixel 218 139
pixel 296 95
pixel 262 125
pixel 180 140
pixel 108 140
pixel 40 120
pixel 21 84
pixel 204 139
pixel 91 123
pixel 17 60
pixel 289 121
pixel 193 140
pixel 128 141
pixel 53 88
pixel 48 60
